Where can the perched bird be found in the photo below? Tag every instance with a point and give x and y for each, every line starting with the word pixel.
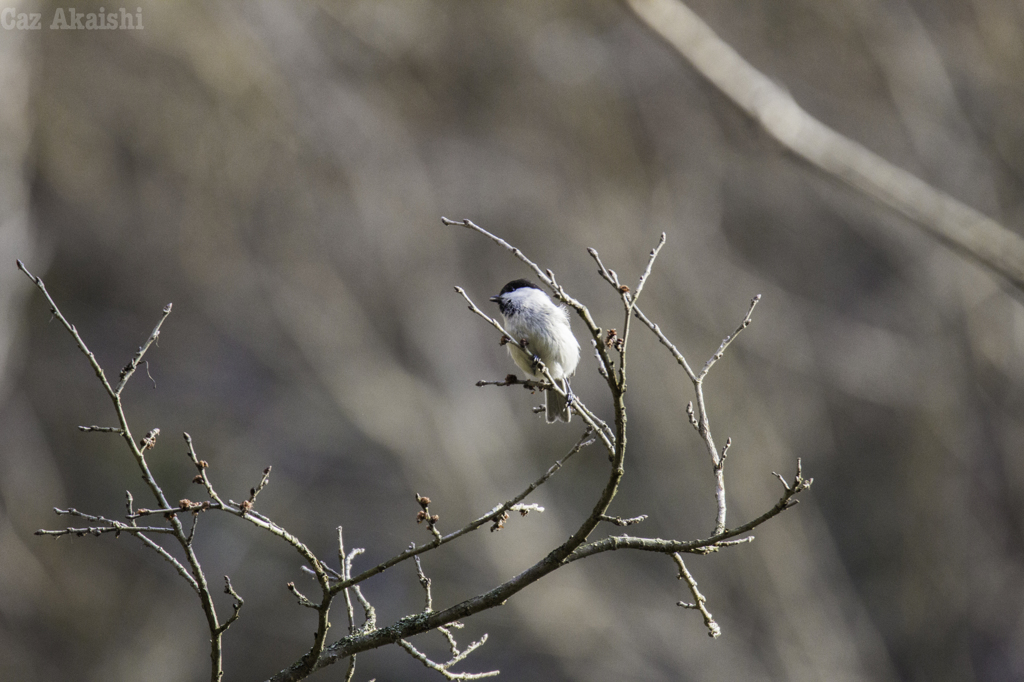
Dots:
pixel 532 317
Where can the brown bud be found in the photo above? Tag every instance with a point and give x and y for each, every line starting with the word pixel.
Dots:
pixel 499 521
pixel 198 478
pixel 149 440
pixel 246 505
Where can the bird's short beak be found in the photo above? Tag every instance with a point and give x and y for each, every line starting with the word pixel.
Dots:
pixel 494 299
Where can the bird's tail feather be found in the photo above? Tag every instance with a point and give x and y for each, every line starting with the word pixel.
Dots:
pixel 557 405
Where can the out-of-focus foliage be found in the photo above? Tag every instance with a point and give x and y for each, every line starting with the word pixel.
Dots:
pixel 278 171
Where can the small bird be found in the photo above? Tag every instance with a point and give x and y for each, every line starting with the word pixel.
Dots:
pixel 532 317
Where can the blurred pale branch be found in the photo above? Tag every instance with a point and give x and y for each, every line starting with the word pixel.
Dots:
pixel 954 223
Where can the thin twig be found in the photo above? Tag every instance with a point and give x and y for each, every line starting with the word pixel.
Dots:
pixel 229 590
pixel 729 339
pixel 350 612
pixel 303 600
pixel 699 418
pixel 259 488
pixel 71 328
pixel 100 530
pixel 717 540
pixel 425 584
pixel 489 516
pixel 513 380
pixel 202 466
pixel 369 613
pixel 665 342
pixel 506 337
pixel 130 368
pixel 698 598
pixel 619 521
pixel 647 271
pixel 443 667
pixel 629 300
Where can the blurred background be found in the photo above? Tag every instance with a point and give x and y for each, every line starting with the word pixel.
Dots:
pixel 278 171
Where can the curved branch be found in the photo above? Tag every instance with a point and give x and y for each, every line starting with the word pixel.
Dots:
pixel 568 552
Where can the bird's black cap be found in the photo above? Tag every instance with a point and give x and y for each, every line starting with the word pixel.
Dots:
pixel 513 285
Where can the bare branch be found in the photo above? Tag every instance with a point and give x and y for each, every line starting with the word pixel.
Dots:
pixel 665 342
pixel 711 543
pixel 202 476
pixel 101 429
pixel 619 521
pixel 71 328
pixel 332 582
pixel 453 646
pixel 303 600
pixel 369 613
pixel 228 589
pixel 140 459
pixel 350 612
pixel 513 380
pixel 541 275
pixel 443 667
pixel 431 519
pixel 490 516
pixel 698 598
pixel 647 271
pixel 505 336
pixel 136 532
pixel 425 584
pixel 100 530
pixel 729 339
pixel 259 488
pixel 148 441
pixel 608 275
pixel 130 368
pixel 699 418
pixel 952 222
